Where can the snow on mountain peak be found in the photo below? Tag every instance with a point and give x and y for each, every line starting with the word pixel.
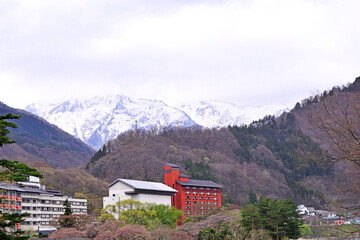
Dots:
pixel 101 118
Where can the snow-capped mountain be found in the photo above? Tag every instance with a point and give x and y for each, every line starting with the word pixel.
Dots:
pixel 222 114
pixel 100 119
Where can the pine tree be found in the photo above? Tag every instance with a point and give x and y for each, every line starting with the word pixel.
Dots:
pixel 278 217
pixel 12 171
pixel 67 206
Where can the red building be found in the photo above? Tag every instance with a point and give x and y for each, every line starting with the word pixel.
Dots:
pixel 195 197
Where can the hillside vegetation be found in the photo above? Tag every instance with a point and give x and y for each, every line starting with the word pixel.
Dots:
pixel 268 158
pixel 38 140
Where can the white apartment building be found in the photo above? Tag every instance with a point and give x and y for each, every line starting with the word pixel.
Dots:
pixel 42 205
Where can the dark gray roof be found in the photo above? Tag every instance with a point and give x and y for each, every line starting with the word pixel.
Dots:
pixel 183 175
pixel 40 191
pixel 8 186
pixel 145 185
pixel 172 165
pixel 199 183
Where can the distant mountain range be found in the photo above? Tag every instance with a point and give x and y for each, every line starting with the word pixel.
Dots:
pixel 100 119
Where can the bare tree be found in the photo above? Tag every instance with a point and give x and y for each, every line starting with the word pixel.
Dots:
pixel 337 123
pixel 338 119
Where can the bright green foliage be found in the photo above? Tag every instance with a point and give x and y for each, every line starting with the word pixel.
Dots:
pixel 67 208
pixel 278 217
pixel 12 171
pixel 166 214
pixel 105 216
pixel 306 230
pixel 134 212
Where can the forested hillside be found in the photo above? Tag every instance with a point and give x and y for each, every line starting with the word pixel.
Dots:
pixel 265 159
pixel 38 140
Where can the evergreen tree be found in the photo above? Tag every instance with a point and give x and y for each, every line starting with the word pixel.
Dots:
pixel 278 217
pixel 67 206
pixel 12 171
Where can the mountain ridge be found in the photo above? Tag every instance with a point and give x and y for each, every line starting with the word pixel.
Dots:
pixel 101 118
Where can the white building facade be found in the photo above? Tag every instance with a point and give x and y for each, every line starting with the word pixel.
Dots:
pixel 142 191
pixel 42 205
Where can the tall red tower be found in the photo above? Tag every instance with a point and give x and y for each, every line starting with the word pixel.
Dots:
pixel 194 197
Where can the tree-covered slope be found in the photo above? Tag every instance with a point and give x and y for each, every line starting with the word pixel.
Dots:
pixel 270 159
pixel 37 140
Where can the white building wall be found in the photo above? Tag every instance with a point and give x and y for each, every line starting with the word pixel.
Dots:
pixel 43 208
pixel 151 198
pixel 116 194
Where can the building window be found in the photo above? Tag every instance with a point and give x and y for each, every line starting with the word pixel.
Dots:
pixel 187 192
pixel 195 202
pixel 201 188
pixel 194 188
pixel 202 198
pixel 208 189
pixel 215 203
pixel 188 213
pixel 215 194
pixel 215 198
pixel 188 203
pixel 208 198
pixel 194 192
pixel 187 198
pixel 187 187
pixel 201 193
pixel 194 198
pixel 188 207
pixel 208 193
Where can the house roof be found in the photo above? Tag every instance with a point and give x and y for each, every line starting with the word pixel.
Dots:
pixel 183 176
pixel 199 183
pixel 311 209
pixel 8 186
pixel 145 186
pixel 172 165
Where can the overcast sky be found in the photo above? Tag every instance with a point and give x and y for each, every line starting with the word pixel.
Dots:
pixel 248 52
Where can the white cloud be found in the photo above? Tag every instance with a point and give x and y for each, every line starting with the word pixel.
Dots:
pixel 248 52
